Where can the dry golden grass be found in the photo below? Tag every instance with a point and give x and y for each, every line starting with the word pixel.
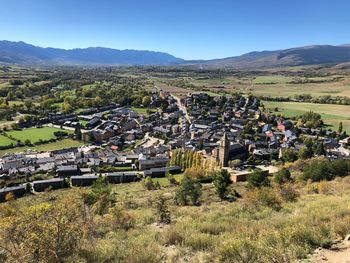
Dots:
pixel 215 231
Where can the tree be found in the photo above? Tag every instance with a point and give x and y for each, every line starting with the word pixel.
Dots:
pixel 319 149
pixel 163 212
pixel 283 176
pixel 100 197
pixel 171 179
pixel 188 192
pixel 77 132
pixel 67 107
pixel 14 126
pixel 288 155
pixel 305 153
pixel 221 182
pixel 149 184
pixel 146 101
pixel 257 179
pixel 340 128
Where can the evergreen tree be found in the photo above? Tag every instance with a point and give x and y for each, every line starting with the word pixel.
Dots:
pixel 221 182
pixel 340 128
pixel 188 192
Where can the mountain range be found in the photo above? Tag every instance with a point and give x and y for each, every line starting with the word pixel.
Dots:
pixel 26 54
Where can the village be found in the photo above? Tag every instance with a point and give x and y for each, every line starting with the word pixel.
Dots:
pixel 231 132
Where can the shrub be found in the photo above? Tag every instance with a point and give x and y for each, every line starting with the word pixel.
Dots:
pixel 283 176
pixel 162 209
pixel 188 192
pixel 121 219
pixel 149 184
pixel 319 170
pixel 289 155
pixel 10 197
pixel 260 197
pixel 171 179
pixel 288 193
pixel 100 196
pixel 257 178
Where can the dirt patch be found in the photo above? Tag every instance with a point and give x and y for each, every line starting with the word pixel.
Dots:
pixel 339 253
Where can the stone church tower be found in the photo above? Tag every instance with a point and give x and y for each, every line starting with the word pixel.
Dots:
pixel 224 150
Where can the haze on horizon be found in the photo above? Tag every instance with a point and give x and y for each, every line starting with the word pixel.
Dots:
pixel 186 29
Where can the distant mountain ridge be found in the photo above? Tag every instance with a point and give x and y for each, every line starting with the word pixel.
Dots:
pixel 309 55
pixel 27 54
pixel 23 53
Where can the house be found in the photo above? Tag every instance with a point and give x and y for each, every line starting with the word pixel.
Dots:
pixel 153 163
pixel 93 123
pixel 285 125
pixel 67 170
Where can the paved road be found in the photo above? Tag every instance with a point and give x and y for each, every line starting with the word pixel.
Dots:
pixel 182 108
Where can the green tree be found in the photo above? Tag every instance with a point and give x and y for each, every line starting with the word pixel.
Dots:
pixel 340 128
pixel 283 176
pixel 188 192
pixel 258 179
pixel 305 153
pixel 221 182
pixel 163 212
pixel 146 101
pixel 288 155
pixel 100 197
pixel 319 149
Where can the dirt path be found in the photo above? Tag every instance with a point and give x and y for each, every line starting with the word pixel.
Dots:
pixel 340 253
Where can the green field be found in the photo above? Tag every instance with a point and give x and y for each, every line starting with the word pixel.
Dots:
pixel 4 141
pixel 35 134
pixel 142 111
pixel 331 114
pixel 62 144
pixel 272 79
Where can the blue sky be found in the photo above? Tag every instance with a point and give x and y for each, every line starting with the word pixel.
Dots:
pixel 190 29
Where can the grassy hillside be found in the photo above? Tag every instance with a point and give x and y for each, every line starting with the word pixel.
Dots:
pixel 246 230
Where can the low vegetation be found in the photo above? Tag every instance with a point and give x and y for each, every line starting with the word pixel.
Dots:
pixel 279 219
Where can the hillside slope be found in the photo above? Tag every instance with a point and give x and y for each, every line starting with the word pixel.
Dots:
pixel 289 57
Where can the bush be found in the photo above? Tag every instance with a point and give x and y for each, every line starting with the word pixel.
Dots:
pixel 283 176
pixel 121 219
pixel 289 155
pixel 260 197
pixel 188 192
pixel 171 179
pixel 162 209
pixel 258 178
pixel 149 184
pixel 100 196
pixel 319 170
pixel 288 193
